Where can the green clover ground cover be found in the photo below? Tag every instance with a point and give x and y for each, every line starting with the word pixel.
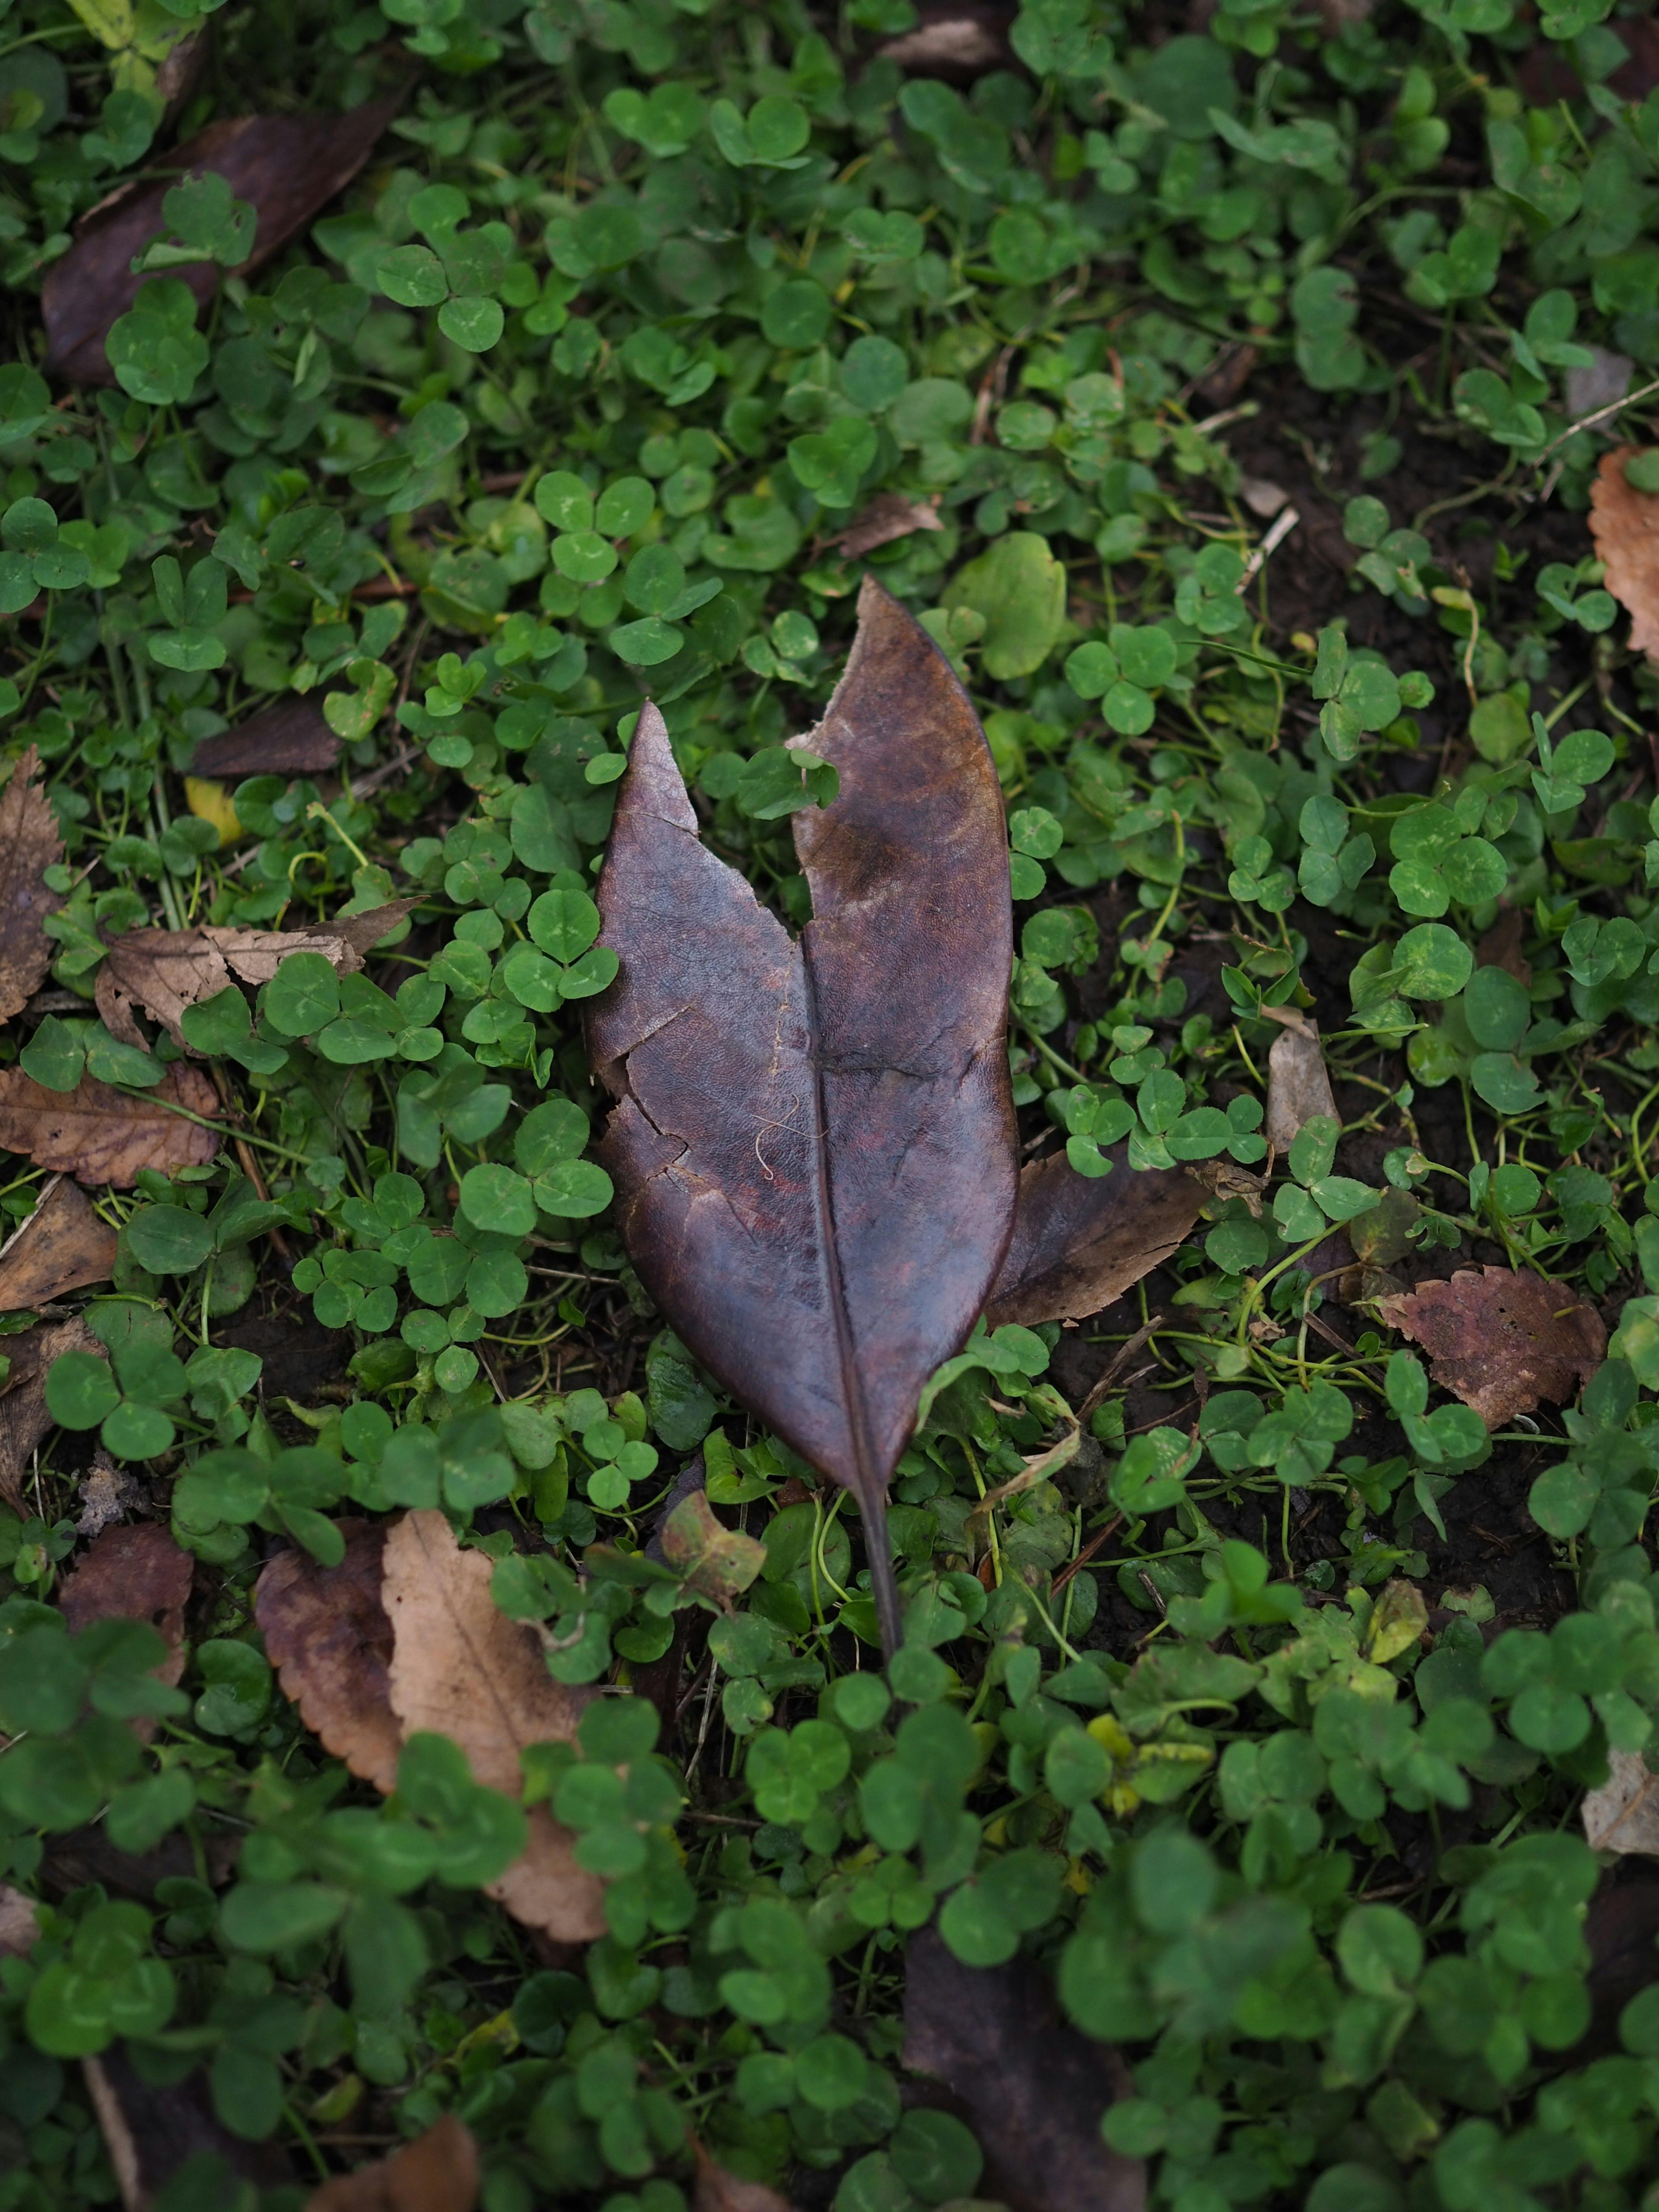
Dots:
pixel 569 395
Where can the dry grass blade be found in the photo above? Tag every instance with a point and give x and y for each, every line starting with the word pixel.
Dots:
pixel 889 515
pixel 462 1668
pixel 437 2172
pixel 327 1634
pixel 62 1246
pixel 99 1135
pixel 1081 1241
pixel 1298 1086
pixel 1624 524
pixel 288 738
pixel 29 844
pixel 1623 1814
pixel 1501 1341
pixel 1032 2087
pixel 288 165
pixel 23 1416
pixel 719 2190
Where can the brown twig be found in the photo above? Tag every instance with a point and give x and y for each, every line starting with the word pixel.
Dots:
pixel 250 1165
pixel 1090 1549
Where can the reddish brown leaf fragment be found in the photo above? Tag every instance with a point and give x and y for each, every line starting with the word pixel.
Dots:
pixel 889 515
pixel 134 1573
pixel 1624 524
pixel 327 1635
pixel 1080 1240
pixel 437 2172
pixel 23 1416
pixel 99 1135
pixel 289 738
pixel 288 165
pixel 1502 1341
pixel 62 1246
pixel 813 1142
pixel 1032 2088
pixel 29 844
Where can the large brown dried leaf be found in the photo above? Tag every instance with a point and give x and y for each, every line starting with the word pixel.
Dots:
pixel 29 844
pixel 889 515
pixel 1298 1086
pixel 1080 1240
pixel 461 1668
pixel 289 738
pixel 813 1142
pixel 1501 1341
pixel 99 1135
pixel 1623 1814
pixel 327 1634
pixel 1624 524
pixel 62 1246
pixel 1030 2086
pixel 23 1416
pixel 437 2172
pixel 165 971
pixel 288 165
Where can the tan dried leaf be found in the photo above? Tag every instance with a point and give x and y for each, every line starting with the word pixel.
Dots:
pixel 1501 1341
pixel 327 1634
pixel 257 954
pixel 719 2190
pixel 19 1925
pixel 134 1573
pixel 437 2172
pixel 163 972
pixel 1623 1814
pixel 99 1135
pixel 1080 1240
pixel 62 1246
pixel 1624 524
pixel 954 39
pixel 29 844
pixel 23 1416
pixel 1298 1086
pixel 889 515
pixel 461 1668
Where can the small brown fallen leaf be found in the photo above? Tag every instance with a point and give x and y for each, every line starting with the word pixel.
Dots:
pixel 461 1668
pixel 437 2172
pixel 165 971
pixel 288 738
pixel 889 515
pixel 23 1416
pixel 99 1135
pixel 1624 524
pixel 134 1572
pixel 29 844
pixel 715 1561
pixel 719 2190
pixel 62 1246
pixel 288 165
pixel 1298 1086
pixel 1623 1814
pixel 1032 2087
pixel 19 1922
pixel 1501 945
pixel 1499 1340
pixel 1080 1240
pixel 327 1634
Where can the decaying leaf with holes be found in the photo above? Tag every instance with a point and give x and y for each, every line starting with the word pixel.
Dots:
pixel 813 1141
pixel 1502 1342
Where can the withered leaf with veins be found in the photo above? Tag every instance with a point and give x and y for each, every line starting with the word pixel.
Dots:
pixel 813 1140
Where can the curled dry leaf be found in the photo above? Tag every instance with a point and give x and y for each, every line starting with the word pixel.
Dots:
pixel 62 1246
pixel 1080 1240
pixel 1624 524
pixel 23 1416
pixel 437 2172
pixel 1501 1341
pixel 719 2190
pixel 99 1135
pixel 1623 1814
pixel 889 515
pixel 290 737
pixel 288 165
pixel 813 1141
pixel 29 844
pixel 165 971
pixel 1298 1086
pixel 327 1635
pixel 459 1666
pixel 1032 2087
